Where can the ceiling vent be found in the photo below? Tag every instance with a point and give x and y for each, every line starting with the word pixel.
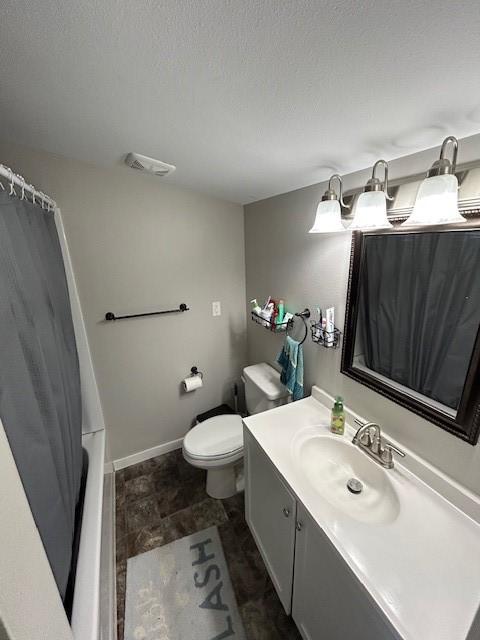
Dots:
pixel 148 165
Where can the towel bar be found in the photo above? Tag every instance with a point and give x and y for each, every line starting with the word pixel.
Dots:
pixel 181 308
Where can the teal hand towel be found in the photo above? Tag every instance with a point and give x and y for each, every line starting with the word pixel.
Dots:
pixel 290 359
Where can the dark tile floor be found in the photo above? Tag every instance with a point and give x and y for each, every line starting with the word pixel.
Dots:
pixel 163 499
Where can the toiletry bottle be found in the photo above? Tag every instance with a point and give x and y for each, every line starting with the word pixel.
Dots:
pixel 281 311
pixel 265 306
pixel 323 323
pixel 318 324
pixel 266 312
pixel 288 317
pixel 256 308
pixel 274 316
pixel 330 326
pixel 337 424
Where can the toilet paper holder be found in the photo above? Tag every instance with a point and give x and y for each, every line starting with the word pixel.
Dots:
pixel 195 372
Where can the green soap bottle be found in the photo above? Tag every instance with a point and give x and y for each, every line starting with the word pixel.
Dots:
pixel 337 424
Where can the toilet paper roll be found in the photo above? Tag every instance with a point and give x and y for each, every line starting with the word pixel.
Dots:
pixel 192 382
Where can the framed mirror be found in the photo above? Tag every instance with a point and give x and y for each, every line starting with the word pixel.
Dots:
pixel 412 322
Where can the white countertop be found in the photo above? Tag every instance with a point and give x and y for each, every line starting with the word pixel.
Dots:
pixel 422 568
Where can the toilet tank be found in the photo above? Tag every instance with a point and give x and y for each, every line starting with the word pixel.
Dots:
pixel 263 389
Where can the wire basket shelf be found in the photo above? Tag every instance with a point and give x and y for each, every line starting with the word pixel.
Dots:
pixel 328 339
pixel 274 327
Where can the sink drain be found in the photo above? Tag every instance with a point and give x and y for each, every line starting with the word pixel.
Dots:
pixel 354 485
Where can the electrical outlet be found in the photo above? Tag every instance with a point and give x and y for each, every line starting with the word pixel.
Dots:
pixel 216 309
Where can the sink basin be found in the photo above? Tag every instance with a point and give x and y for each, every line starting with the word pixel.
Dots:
pixel 329 462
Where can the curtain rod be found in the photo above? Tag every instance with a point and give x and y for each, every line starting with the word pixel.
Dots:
pixel 15 180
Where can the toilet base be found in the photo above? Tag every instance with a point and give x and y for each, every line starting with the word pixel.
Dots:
pixel 222 482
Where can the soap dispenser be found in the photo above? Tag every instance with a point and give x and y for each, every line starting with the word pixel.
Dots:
pixel 337 424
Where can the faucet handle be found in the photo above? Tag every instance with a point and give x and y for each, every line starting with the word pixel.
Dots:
pixel 392 447
pixel 387 453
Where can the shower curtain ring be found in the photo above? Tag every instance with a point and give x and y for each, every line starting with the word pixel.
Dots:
pixel 32 189
pixel 22 180
pixel 12 184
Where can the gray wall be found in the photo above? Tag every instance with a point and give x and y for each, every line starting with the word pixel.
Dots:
pixel 283 260
pixel 138 244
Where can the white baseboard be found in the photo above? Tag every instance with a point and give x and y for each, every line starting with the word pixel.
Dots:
pixel 135 458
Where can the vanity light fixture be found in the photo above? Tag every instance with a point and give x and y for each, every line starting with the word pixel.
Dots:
pixel 371 206
pixel 328 218
pixel 437 197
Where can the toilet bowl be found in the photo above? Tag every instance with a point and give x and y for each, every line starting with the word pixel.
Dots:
pixel 217 443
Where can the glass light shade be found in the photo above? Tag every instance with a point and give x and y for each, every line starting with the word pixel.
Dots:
pixel 436 202
pixel 328 218
pixel 371 211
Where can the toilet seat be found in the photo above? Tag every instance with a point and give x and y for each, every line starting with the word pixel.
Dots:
pixel 217 438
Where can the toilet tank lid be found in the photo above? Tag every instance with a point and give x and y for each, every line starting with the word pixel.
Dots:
pixel 267 379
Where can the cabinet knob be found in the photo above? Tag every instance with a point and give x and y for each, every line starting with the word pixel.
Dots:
pixel 299 525
pixel 286 512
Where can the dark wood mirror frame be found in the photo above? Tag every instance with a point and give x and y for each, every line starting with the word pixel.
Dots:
pixel 466 424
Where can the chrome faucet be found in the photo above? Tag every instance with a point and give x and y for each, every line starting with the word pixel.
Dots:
pixel 375 445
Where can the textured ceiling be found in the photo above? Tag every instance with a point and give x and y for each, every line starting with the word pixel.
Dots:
pixel 249 98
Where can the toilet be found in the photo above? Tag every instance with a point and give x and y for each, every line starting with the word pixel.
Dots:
pixel 217 443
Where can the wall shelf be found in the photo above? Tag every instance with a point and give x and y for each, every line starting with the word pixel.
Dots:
pixel 328 339
pixel 272 326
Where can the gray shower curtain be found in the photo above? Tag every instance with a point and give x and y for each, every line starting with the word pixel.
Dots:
pixel 419 309
pixel 40 402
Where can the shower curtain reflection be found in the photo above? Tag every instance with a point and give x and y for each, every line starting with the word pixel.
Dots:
pixel 419 310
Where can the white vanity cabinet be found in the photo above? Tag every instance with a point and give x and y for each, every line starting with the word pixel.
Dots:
pixel 312 580
pixel 270 511
pixel 328 600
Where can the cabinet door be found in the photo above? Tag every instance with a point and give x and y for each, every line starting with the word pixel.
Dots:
pixel 328 600
pixel 270 511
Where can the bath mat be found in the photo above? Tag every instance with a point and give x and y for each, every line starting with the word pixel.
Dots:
pixel 182 591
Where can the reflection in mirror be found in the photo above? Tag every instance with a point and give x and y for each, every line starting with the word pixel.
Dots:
pixel 413 322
